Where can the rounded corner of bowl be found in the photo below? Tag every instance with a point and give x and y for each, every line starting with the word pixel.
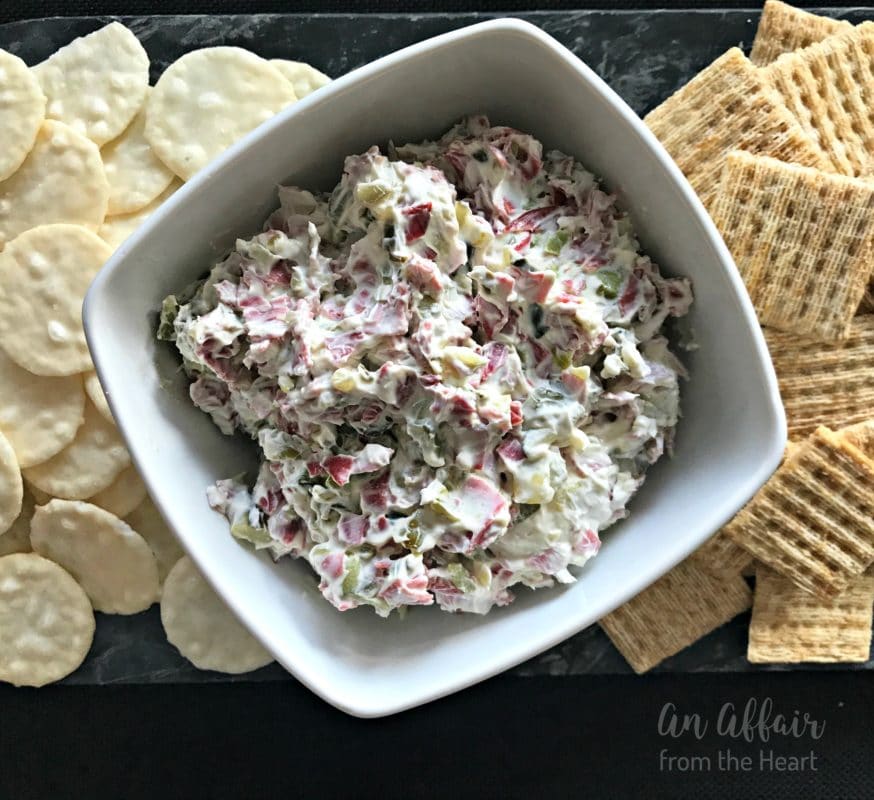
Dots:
pixel 506 22
pixel 354 707
pixel 512 26
pixel 778 439
pixel 519 25
pixel 358 703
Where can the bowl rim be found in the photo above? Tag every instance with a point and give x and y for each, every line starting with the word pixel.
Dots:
pixel 773 415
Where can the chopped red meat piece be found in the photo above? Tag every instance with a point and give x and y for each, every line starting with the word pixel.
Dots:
pixel 418 217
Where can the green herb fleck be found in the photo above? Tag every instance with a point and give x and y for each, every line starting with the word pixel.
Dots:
pixel 543 395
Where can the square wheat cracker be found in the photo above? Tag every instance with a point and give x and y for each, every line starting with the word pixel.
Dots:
pixel 867 304
pixel 783 28
pixel 727 106
pixel 721 555
pixel 813 521
pixel 677 610
pixel 829 87
pixel 861 435
pixel 790 626
pixel 802 240
pixel 825 383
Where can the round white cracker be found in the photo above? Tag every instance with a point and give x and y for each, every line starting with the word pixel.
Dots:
pixel 113 564
pixel 46 621
pixel 61 180
pixel 22 111
pixel 40 497
pixel 207 100
pixel 123 495
pixel 89 464
pixel 95 394
pixel 303 77
pixel 11 487
pixel 117 228
pixel 147 521
pixel 17 538
pixel 44 274
pixel 39 416
pixel 97 83
pixel 136 175
pixel 200 625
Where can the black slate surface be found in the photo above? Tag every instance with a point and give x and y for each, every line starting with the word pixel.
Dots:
pixel 643 55
pixel 12 10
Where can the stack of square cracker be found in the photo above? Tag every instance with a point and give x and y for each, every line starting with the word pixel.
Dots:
pixel 780 148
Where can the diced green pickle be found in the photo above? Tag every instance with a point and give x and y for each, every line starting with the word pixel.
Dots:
pixel 169 310
pixel 562 359
pixel 460 578
pixel 372 193
pixel 257 536
pixel 414 538
pixel 555 242
pixel 353 570
pixel 610 283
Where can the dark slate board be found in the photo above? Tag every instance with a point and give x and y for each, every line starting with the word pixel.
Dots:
pixel 643 55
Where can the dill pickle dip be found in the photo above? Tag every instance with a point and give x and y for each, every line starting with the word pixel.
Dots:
pixel 454 366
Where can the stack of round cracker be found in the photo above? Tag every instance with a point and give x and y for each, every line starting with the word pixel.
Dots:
pixel 90 150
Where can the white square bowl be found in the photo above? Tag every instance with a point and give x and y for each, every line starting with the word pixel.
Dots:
pixel 730 440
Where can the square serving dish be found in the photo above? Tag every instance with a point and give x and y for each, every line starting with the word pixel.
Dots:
pixel 729 442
